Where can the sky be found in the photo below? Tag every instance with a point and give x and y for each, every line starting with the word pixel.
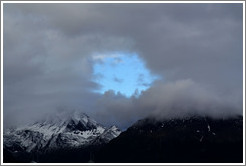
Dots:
pixel 119 63
pixel 121 72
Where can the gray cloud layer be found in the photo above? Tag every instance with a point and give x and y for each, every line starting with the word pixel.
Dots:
pixel 195 48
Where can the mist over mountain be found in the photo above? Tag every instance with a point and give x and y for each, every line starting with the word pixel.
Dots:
pixel 178 99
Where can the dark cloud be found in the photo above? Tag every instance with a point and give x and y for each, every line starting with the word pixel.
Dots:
pixel 197 49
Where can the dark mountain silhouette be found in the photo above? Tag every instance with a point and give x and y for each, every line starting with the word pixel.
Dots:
pixel 190 140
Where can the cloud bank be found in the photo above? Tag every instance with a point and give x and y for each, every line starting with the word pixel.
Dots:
pixel 49 52
pixel 178 99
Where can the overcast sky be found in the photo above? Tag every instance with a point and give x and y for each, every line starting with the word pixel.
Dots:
pixel 51 50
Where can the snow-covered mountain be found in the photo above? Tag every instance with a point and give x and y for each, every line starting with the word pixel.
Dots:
pixel 107 135
pixel 72 130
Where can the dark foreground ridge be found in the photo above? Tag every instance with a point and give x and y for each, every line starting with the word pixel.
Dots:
pixel 191 140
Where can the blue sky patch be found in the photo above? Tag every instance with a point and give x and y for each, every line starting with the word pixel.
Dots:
pixel 121 72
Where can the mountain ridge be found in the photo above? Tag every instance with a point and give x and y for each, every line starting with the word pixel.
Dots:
pixel 74 131
pixel 194 139
pixel 190 140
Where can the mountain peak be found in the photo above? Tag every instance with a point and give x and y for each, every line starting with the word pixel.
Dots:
pixel 65 130
pixel 63 119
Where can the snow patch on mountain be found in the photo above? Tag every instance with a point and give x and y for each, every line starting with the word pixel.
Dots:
pixel 64 131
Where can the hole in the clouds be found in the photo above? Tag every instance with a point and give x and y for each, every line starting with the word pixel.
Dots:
pixel 121 72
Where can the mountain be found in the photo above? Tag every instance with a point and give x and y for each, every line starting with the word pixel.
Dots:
pixel 193 139
pixel 65 132
pixel 76 138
